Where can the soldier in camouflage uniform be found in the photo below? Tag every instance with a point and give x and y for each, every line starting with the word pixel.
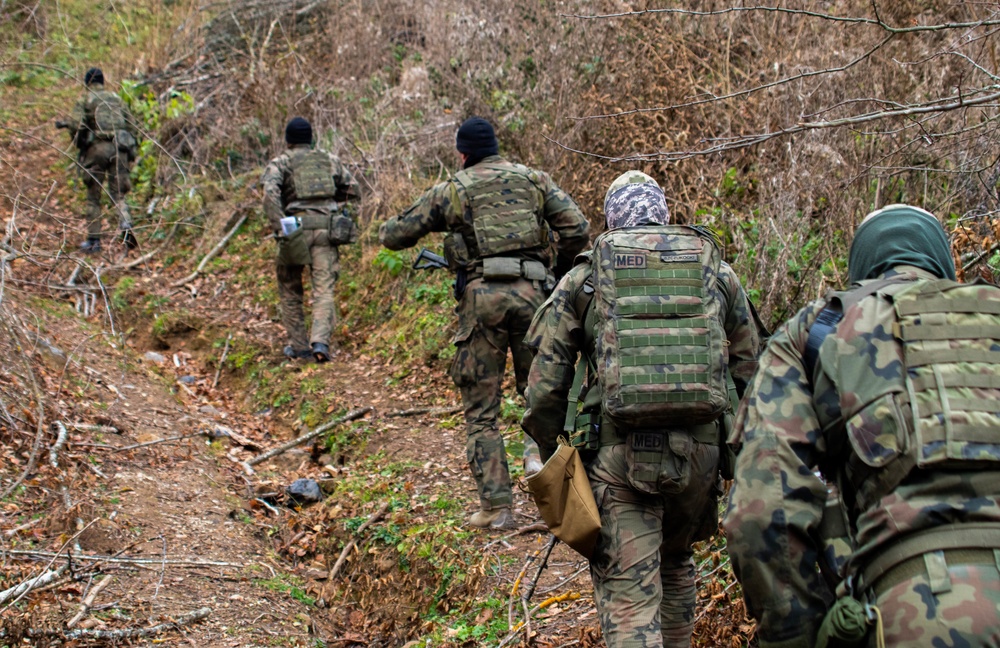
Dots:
pixel 104 131
pixel 642 566
pixel 840 388
pixel 498 215
pixel 309 185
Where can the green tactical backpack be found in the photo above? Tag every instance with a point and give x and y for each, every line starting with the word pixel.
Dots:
pixel 660 344
pixel 107 114
pixel 505 207
pixel 312 175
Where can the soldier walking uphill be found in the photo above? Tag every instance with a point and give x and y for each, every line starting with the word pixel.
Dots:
pixel 498 216
pixel 666 341
pixel 306 186
pixel 103 130
pixel 892 389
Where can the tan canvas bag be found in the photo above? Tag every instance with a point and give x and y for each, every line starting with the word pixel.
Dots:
pixel 563 496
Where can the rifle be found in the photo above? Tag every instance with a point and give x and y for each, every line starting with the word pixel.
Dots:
pixel 427 260
pixel 63 124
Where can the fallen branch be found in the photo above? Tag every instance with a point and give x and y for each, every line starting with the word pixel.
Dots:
pixel 208 257
pixel 10 533
pixel 89 601
pixel 87 427
pixel 416 411
pixel 274 452
pixel 119 559
pixel 569 596
pixel 375 517
pixel 525 596
pixel 125 633
pixel 32 583
pixel 58 445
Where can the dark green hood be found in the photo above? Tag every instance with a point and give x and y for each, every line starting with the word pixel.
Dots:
pixel 900 235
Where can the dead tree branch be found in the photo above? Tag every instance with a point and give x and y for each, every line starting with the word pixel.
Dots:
pixel 274 452
pixel 375 517
pixel 211 254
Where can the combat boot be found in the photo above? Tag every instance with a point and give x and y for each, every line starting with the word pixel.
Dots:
pixel 91 246
pixel 498 518
pixel 296 354
pixel 321 352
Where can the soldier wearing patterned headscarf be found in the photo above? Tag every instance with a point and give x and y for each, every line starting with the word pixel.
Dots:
pixel 657 320
pixel 891 389
pixel 304 192
pixel 105 133
pixel 498 216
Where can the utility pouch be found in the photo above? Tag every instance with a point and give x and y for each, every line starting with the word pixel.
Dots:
pixel 501 268
pixel 342 230
pixel 126 143
pixel 844 626
pixel 293 250
pixel 455 251
pixel 658 462
pixel 534 270
pixel 313 221
pixel 562 493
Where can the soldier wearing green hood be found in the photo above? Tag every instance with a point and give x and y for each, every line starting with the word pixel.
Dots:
pixel 104 131
pixel 892 389
pixel 499 216
pixel 652 320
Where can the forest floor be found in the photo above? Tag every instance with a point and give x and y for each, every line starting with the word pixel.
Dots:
pixel 177 527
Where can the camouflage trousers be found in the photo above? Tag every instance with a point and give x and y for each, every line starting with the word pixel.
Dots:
pixel 492 317
pixel 102 163
pixel 324 272
pixel 642 567
pixel 958 606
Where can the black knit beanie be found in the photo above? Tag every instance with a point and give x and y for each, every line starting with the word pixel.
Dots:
pixel 476 139
pixel 299 131
pixel 93 75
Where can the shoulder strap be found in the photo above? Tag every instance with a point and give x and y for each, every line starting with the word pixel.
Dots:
pixel 830 316
pixel 569 424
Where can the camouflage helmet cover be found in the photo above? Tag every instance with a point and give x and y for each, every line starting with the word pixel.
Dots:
pixel 635 199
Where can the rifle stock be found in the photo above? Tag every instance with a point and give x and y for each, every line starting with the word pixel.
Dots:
pixel 427 260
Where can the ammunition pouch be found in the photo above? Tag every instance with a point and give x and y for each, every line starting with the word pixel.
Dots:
pixel 314 221
pixel 511 268
pixel 127 144
pixel 293 250
pixel 343 231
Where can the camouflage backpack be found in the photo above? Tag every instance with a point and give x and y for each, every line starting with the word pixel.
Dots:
pixel 312 175
pixel 107 114
pixel 660 344
pixel 505 206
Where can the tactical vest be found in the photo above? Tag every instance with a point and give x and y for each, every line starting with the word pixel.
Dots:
pixel 106 114
pixel 947 416
pixel 312 175
pixel 503 207
pixel 660 345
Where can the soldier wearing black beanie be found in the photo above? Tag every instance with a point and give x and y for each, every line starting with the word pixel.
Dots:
pixel 477 140
pixel 498 216
pixel 93 75
pixel 299 131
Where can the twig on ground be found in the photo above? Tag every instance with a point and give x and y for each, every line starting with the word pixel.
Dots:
pixel 149 443
pixel 274 452
pixel 546 552
pixel 416 411
pixel 375 517
pixel 530 528
pixel 88 602
pixel 58 445
pixel 10 533
pixel 163 568
pixel 87 427
pixel 208 257
pixel 516 630
pixel 218 370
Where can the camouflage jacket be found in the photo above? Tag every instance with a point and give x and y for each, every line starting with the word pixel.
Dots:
pixel 279 202
pixel 789 428
pixel 557 337
pixel 440 209
pixel 79 130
